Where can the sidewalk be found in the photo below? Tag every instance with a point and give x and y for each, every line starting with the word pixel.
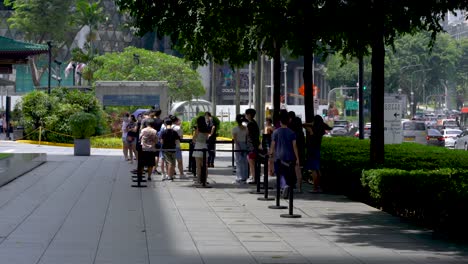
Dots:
pixel 83 210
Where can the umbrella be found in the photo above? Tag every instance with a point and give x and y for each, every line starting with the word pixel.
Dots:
pixel 139 111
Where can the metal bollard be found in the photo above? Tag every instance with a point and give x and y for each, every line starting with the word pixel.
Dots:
pixel 139 177
pixel 278 194
pixel 257 175
pixel 291 197
pixel 265 179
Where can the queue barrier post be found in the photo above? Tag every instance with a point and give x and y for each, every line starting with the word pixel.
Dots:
pixel 290 214
pixel 265 179
pixel 257 174
pixel 139 177
pixel 278 194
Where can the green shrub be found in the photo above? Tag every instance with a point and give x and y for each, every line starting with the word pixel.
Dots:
pixel 83 125
pixel 52 113
pixel 343 160
pixel 436 198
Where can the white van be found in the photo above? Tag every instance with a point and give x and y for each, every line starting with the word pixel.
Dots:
pixel 414 131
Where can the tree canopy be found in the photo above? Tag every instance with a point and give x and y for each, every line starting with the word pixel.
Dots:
pixel 135 64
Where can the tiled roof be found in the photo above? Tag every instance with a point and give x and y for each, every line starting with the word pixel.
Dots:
pixel 11 46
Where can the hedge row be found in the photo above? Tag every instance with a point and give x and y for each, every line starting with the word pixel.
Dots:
pixel 436 198
pixel 344 159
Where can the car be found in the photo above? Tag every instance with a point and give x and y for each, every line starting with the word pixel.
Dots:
pixel 342 123
pixel 367 131
pixel 414 131
pixel 435 138
pixel 450 123
pixel 339 131
pixel 462 141
pixel 450 136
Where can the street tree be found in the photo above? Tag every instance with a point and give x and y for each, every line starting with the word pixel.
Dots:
pixel 41 21
pixel 371 25
pixel 135 64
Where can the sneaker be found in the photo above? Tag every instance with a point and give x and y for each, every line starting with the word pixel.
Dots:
pixel 238 182
pixel 250 180
pixel 163 177
pixel 285 192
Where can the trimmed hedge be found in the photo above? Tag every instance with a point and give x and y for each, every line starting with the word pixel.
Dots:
pixel 344 158
pixel 435 198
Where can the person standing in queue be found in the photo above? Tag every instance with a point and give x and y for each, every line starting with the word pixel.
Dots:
pixel 211 142
pixel 315 131
pixel 148 138
pixel 284 152
pixel 253 142
pixel 199 139
pixel 239 135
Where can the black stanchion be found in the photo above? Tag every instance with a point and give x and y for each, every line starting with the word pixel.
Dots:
pixel 203 174
pixel 290 195
pixel 232 157
pixel 257 174
pixel 139 177
pixel 278 194
pixel 265 179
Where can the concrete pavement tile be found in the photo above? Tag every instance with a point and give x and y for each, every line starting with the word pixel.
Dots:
pixel 175 259
pixel 279 257
pixel 246 221
pixel 249 228
pixel 371 254
pixel 256 237
pixel 21 253
pixel 233 215
pixel 267 246
pixel 224 204
pixel 70 255
pixel 225 254
pixel 229 209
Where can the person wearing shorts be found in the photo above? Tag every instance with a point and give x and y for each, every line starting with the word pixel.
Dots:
pixel 169 140
pixel 148 139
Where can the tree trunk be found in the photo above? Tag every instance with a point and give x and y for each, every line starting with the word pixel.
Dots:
pixel 377 151
pixel 237 92
pixel 35 75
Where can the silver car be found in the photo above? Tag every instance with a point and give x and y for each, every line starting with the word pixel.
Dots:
pixel 414 131
pixel 450 136
pixel 462 141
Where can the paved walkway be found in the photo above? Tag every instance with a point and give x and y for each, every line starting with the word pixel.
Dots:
pixel 83 210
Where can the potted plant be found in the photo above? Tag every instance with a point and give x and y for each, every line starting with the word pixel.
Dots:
pixel 83 126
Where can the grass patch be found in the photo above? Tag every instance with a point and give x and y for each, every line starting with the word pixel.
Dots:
pixel 4 155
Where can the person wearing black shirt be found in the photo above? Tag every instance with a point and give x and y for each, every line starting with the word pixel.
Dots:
pixel 253 142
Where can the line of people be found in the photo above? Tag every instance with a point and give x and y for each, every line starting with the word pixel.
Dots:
pixel 153 141
pixel 280 142
pixel 158 142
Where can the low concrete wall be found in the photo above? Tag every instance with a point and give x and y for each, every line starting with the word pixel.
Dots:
pixel 18 164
